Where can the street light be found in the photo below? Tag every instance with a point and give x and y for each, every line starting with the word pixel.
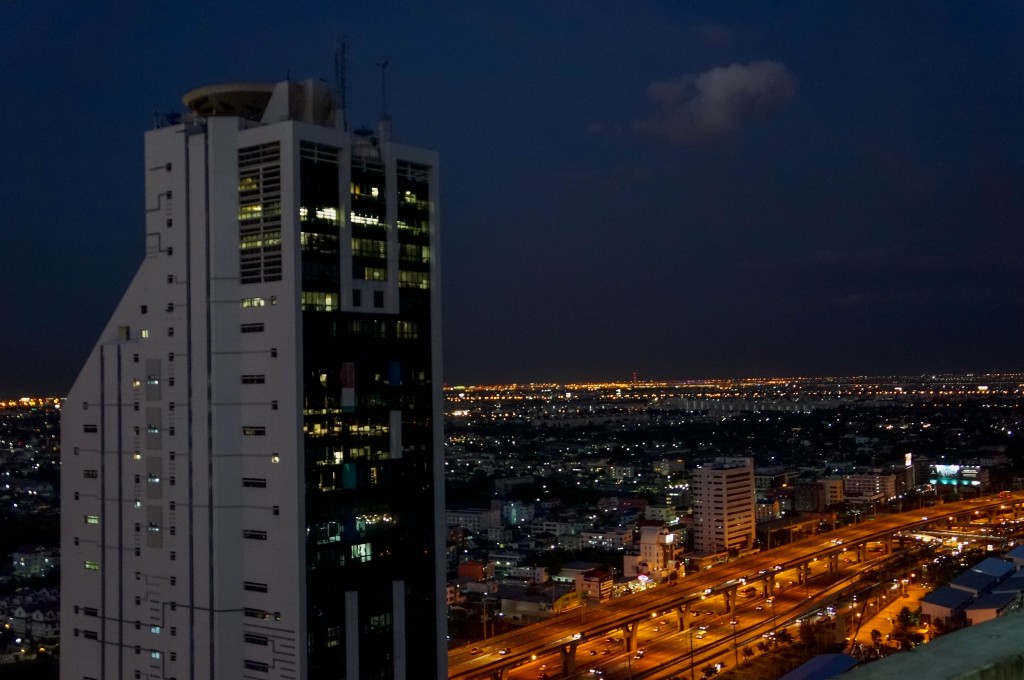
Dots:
pixel 735 642
pixel 690 630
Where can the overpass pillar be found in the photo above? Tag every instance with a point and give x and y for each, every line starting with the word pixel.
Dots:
pixel 629 633
pixel 833 563
pixel 499 673
pixel 862 552
pixel 683 617
pixel 769 585
pixel 568 654
pixel 729 598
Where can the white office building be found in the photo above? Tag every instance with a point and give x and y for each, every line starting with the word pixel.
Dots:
pixel 252 482
pixel 723 505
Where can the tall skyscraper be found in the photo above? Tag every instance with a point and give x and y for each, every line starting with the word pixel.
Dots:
pixel 723 505
pixel 252 478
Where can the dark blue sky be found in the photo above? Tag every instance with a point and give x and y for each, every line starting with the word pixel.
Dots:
pixel 673 188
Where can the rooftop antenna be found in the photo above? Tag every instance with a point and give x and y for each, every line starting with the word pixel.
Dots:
pixel 383 88
pixel 340 62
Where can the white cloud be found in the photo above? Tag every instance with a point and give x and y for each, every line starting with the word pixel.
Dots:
pixel 695 109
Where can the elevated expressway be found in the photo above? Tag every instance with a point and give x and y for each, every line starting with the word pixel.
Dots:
pixel 557 640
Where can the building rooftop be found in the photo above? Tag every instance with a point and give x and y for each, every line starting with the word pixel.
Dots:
pixel 822 667
pixel 949 597
pixel 974 581
pixel 994 650
pixel 993 566
pixel 246 100
pixel 992 601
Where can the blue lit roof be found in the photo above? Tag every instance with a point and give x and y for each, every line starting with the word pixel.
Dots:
pixel 821 667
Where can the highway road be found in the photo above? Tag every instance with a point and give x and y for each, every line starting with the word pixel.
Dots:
pixel 587 629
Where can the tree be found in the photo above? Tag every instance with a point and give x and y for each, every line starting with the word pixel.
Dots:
pixel 908 619
pixel 709 670
pixel 876 637
pixel 806 632
pixel 784 636
pixel 747 652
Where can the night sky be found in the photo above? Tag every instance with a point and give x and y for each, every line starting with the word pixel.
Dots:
pixel 679 189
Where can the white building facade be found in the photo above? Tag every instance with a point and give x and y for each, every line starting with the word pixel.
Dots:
pixel 723 505
pixel 252 483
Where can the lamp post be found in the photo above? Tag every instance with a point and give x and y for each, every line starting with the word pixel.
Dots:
pixel 771 601
pixel 690 630
pixel 735 642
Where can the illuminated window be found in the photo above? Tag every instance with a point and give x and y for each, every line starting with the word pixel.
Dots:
pixel 145 333
pixel 91 566
pixel 321 243
pixel 406 330
pixel 327 214
pixel 414 253
pixel 362 552
pixel 372 273
pixel 315 301
pixel 367 247
pixel 92 519
pixel 253 302
pixel 414 280
pixel 367 220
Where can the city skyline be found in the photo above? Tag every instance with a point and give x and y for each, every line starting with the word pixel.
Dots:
pixel 683 192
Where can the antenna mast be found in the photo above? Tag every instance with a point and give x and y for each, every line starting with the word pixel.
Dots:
pixel 340 64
